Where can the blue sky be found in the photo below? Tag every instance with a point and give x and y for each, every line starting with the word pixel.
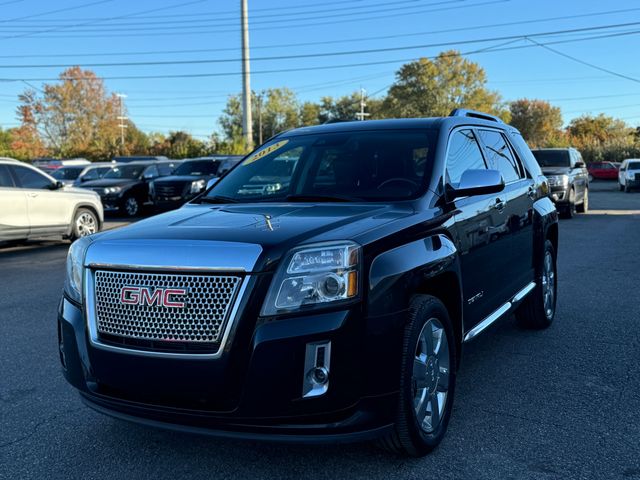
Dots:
pixel 83 32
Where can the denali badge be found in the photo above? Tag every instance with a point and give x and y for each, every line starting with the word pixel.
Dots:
pixel 161 297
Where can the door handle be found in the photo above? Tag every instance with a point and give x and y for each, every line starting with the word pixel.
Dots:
pixel 499 205
pixel 33 194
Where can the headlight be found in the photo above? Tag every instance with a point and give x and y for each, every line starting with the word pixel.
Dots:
pixel 273 187
pixel 109 190
pixel 75 269
pixel 630 175
pixel 559 180
pixel 313 276
pixel 197 186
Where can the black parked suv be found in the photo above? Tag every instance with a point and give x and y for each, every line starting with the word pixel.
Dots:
pixel 187 181
pixel 125 188
pixel 568 178
pixel 334 309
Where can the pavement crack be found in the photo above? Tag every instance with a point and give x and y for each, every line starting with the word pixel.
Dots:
pixel 35 428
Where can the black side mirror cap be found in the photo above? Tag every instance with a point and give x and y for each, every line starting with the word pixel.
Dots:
pixel 477 182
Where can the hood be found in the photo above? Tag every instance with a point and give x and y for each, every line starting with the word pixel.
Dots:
pixel 181 178
pixel 556 170
pixel 109 182
pixel 79 191
pixel 274 227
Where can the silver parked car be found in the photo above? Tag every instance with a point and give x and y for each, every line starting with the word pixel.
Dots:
pixel 35 205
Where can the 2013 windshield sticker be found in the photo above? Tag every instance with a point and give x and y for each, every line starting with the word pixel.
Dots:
pixel 265 151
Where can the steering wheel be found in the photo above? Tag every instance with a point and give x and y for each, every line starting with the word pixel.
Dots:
pixel 398 179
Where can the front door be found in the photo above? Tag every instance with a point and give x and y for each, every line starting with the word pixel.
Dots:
pixel 14 218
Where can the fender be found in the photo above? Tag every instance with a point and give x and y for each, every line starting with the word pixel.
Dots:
pixel 87 206
pixel 396 275
pixel 545 216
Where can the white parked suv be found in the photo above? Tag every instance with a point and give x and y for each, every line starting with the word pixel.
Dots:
pixel 35 205
pixel 629 174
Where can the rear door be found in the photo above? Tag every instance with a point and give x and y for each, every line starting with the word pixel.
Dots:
pixel 49 210
pixel 14 217
pixel 519 194
pixel 481 230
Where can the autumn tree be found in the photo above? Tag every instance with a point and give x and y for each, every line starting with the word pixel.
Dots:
pixel 75 117
pixel 539 122
pixel 599 130
pixel 179 145
pixel 433 88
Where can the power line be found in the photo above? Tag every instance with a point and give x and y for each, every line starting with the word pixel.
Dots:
pixel 59 10
pixel 328 42
pixel 278 26
pixel 100 21
pixel 334 54
pixel 588 64
pixel 10 2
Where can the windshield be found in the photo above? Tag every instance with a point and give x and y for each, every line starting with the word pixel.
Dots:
pixel 198 168
pixel 379 165
pixel 131 172
pixel 633 166
pixel 552 158
pixel 67 173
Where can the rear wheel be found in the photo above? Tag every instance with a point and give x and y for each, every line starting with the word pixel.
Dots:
pixel 427 379
pixel 85 222
pixel 584 206
pixel 539 307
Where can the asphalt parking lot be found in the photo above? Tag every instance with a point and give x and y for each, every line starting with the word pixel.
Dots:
pixel 562 403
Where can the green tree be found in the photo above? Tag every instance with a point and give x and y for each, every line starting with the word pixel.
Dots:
pixel 427 88
pixel 179 145
pixel 5 143
pixel 599 130
pixel 309 114
pixel 539 122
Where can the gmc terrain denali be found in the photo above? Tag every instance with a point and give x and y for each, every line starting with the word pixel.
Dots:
pixel 330 303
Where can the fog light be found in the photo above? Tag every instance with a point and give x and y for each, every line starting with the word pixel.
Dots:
pixel 319 375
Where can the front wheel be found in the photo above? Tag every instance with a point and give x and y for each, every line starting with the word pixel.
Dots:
pixel 570 208
pixel 621 187
pixel 539 307
pixel 427 379
pixel 130 206
pixel 85 222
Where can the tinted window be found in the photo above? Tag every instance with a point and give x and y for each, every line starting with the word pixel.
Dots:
pixel 463 154
pixel 28 178
pixel 5 177
pixel 525 154
pixel 151 172
pixel 67 173
pixel 552 158
pixel 367 165
pixel 633 166
pixel 197 168
pixel 165 169
pixel 499 156
pixel 125 171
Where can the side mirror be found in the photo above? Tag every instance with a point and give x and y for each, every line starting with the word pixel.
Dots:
pixel 477 182
pixel 212 182
pixel 580 165
pixel 148 176
pixel 56 186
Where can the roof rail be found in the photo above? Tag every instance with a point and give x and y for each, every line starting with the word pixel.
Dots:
pixel 464 112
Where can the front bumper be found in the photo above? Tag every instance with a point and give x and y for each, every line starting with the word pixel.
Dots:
pixel 560 195
pixel 252 391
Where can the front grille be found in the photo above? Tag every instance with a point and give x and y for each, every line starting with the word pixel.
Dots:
pixel 146 323
pixel 166 189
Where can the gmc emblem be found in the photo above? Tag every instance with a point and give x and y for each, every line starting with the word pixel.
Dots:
pixel 161 297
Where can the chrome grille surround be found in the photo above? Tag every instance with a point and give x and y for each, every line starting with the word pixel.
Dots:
pixel 108 318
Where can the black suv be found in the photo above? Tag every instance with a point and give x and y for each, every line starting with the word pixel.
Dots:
pixel 125 188
pixel 187 181
pixel 335 308
pixel 568 178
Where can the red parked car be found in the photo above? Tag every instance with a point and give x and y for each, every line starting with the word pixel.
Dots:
pixel 603 170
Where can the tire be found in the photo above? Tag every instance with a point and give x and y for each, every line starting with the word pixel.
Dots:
pixel 85 222
pixel 621 187
pixel 590 178
pixel 130 206
pixel 584 206
pixel 538 310
pixel 570 209
pixel 436 371
pixel 627 189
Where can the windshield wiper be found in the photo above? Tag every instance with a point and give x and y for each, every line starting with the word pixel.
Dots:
pixel 320 198
pixel 218 199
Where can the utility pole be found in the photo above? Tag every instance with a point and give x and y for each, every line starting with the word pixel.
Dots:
pixel 122 119
pixel 246 84
pixel 361 115
pixel 259 100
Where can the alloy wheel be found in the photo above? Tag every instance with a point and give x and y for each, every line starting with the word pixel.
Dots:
pixel 548 284
pixel 131 206
pixel 430 376
pixel 86 224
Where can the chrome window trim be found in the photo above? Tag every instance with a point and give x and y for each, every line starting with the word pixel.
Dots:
pixel 90 314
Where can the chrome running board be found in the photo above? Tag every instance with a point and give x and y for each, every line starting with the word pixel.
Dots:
pixel 499 313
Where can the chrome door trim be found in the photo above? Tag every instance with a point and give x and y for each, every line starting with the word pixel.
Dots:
pixel 90 313
pixel 499 313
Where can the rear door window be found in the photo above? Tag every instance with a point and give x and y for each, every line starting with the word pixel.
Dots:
pixel 499 156
pixel 6 180
pixel 28 178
